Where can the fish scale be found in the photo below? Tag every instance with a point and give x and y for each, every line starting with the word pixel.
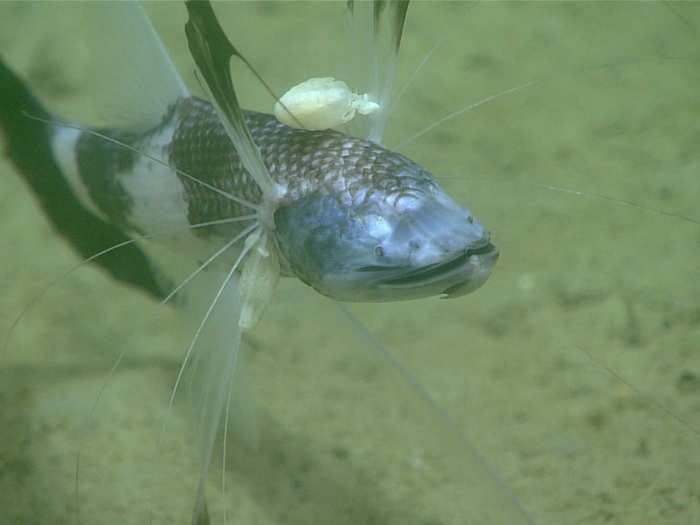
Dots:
pixel 300 161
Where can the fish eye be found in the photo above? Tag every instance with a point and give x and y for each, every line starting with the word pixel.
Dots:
pixel 379 251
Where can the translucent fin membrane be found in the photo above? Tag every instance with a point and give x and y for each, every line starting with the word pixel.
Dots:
pixel 374 30
pixel 130 72
pixel 243 307
pixel 218 347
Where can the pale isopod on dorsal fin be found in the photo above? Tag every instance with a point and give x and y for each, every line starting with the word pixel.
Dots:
pixel 322 103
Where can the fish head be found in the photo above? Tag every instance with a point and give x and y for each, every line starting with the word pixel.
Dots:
pixel 407 241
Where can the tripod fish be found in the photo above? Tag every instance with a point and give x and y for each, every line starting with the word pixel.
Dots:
pixel 348 217
pixel 354 220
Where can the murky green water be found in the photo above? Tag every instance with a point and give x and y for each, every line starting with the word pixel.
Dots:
pixel 587 290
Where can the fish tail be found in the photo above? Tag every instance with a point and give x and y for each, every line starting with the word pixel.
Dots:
pixel 27 139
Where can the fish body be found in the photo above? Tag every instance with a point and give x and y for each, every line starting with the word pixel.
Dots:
pixel 354 220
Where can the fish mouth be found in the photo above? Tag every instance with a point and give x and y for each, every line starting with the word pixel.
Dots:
pixel 455 277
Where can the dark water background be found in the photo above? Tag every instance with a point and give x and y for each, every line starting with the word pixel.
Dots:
pixel 587 289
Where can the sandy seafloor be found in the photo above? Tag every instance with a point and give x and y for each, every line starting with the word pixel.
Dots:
pixel 587 291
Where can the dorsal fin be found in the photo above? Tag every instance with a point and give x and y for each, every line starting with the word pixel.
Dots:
pixel 374 29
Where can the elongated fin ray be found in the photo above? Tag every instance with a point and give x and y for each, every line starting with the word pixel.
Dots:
pixel 497 503
pixel 219 338
pixel 137 79
pixel 97 256
pixel 375 29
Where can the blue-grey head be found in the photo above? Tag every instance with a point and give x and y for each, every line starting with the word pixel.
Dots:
pixel 388 233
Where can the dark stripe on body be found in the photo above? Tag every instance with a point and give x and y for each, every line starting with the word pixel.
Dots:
pixel 99 162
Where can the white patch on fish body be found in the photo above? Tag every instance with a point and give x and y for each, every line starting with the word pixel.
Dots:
pixel 155 190
pixel 158 204
pixel 64 142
